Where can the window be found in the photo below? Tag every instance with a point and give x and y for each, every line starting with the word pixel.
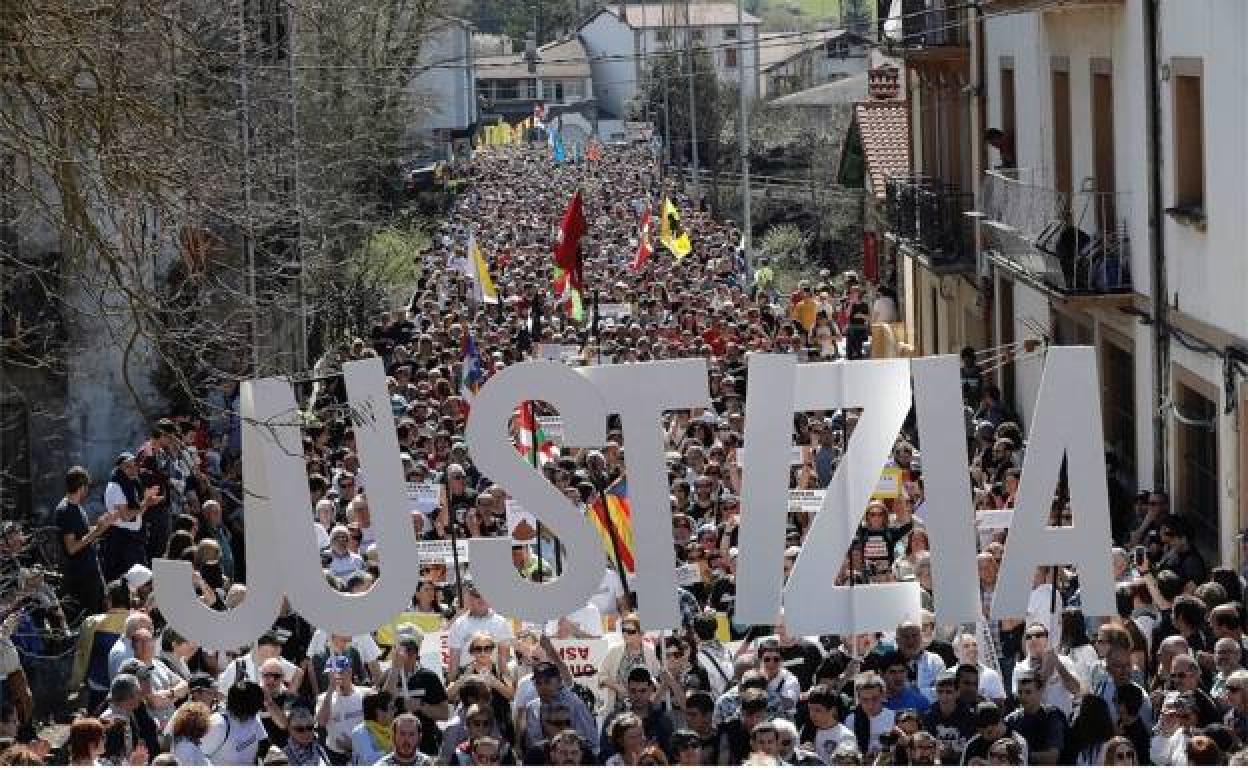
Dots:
pixel 1103 141
pixel 530 89
pixel 270 39
pixel 573 89
pixel 1061 126
pixel 663 35
pixel 506 89
pixel 730 33
pixel 1196 447
pixel 556 90
pixel 1009 123
pixel 1189 135
pixel 697 35
pixel 730 58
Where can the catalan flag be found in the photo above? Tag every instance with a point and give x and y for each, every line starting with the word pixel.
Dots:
pixel 611 511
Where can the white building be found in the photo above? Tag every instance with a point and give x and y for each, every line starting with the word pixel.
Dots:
pixel 1076 88
pixel 445 92
pixel 794 61
pixel 621 37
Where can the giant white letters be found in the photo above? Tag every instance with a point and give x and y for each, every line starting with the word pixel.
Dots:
pixel 284 550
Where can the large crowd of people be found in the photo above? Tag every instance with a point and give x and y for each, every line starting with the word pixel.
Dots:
pixel 1163 681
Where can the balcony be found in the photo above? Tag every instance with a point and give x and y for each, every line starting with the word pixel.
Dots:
pixel 1068 244
pixel 926 216
pixel 932 30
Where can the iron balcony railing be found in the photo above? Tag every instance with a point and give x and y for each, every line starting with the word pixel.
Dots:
pixel 927 214
pixel 1073 243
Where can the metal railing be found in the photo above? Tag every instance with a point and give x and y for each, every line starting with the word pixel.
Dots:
pixel 933 23
pixel 1074 243
pixel 928 214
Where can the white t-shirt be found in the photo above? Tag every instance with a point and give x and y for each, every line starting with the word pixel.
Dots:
pixel 346 713
pixel 827 739
pixel 465 626
pixel 229 742
pixel 322 537
pixel 363 644
pixel 346 565
pixel 114 498
pixel 880 724
pixel 608 591
pixel 189 754
pixel 990 684
pixel 1055 693
pixel 587 617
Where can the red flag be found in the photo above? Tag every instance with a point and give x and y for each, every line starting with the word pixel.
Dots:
pixel 644 249
pixel 568 244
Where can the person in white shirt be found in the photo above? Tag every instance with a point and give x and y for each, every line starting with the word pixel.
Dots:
pixel 122 649
pixel 268 647
pixel 342 561
pixel 1056 671
pixel 869 693
pixel 780 681
pixel 825 707
pixel 340 708
pixel 479 618
pixel 125 543
pixel 234 735
pixel 966 647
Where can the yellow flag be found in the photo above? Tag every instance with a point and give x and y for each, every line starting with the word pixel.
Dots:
pixel 672 234
pixel 486 291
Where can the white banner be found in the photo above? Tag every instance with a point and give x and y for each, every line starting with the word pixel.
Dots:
pixel 584 657
pixel 615 310
pixel 439 552
pixel 552 426
pixel 805 500
pixel 424 495
pixel 435 654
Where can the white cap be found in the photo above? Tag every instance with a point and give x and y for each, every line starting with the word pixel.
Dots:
pixel 138 576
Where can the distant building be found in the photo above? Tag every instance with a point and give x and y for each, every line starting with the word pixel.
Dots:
pixel 556 75
pixel 794 61
pixel 445 92
pixel 620 38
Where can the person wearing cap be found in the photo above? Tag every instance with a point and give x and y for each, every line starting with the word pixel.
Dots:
pixel 340 708
pixel 414 688
pixel 125 544
pixel 989 728
pixel 203 689
pixel 552 692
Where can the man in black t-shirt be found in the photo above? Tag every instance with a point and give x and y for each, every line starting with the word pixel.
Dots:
pixel 416 689
pixel 949 720
pixel 1041 725
pixel 83 579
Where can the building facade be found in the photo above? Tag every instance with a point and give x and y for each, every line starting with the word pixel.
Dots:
pixel 621 37
pixel 790 62
pixel 446 91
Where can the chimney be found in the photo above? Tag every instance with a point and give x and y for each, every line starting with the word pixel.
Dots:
pixel 884 83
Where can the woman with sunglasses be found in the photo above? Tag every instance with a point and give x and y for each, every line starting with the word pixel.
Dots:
pixel 621 658
pixel 483 665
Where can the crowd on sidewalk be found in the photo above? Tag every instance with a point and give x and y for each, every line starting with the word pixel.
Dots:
pixel 1164 681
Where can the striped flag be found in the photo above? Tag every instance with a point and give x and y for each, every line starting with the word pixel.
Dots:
pixel 612 506
pixel 529 433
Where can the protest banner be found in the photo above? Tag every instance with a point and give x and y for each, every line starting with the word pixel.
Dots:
pixel 805 500
pixel 435 653
pixel 584 657
pixel 427 622
pixel 552 426
pixel 424 495
pixel 889 487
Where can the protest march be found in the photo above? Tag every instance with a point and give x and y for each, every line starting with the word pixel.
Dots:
pixel 582 265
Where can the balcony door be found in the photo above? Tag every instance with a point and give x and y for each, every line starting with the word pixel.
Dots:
pixel 1103 141
pixel 1061 126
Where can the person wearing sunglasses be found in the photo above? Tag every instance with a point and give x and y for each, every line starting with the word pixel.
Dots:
pixel 633 651
pixel 1055 671
pixel 302 748
pixel 781 683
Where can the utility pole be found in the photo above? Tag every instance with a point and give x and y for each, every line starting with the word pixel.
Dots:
pixel 667 95
pixel 249 245
pixel 747 194
pixel 693 107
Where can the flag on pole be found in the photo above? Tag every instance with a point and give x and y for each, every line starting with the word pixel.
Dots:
pixel 611 511
pixel 471 373
pixel 672 234
pixel 483 285
pixel 644 247
pixel 568 279
pixel 529 434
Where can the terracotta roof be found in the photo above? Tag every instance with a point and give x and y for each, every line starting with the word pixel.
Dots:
pixel 884 128
pixel 700 14
pixel 559 59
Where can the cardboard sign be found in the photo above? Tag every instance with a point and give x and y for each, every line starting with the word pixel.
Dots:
pixel 552 426
pixel 889 487
pixel 688 574
pixel 439 552
pixel 435 654
pixel 551 351
pixel 584 657
pixel 521 524
pixel 805 500
pixel 616 311
pixel 424 495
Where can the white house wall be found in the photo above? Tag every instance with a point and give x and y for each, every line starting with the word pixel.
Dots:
pixel 612 48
